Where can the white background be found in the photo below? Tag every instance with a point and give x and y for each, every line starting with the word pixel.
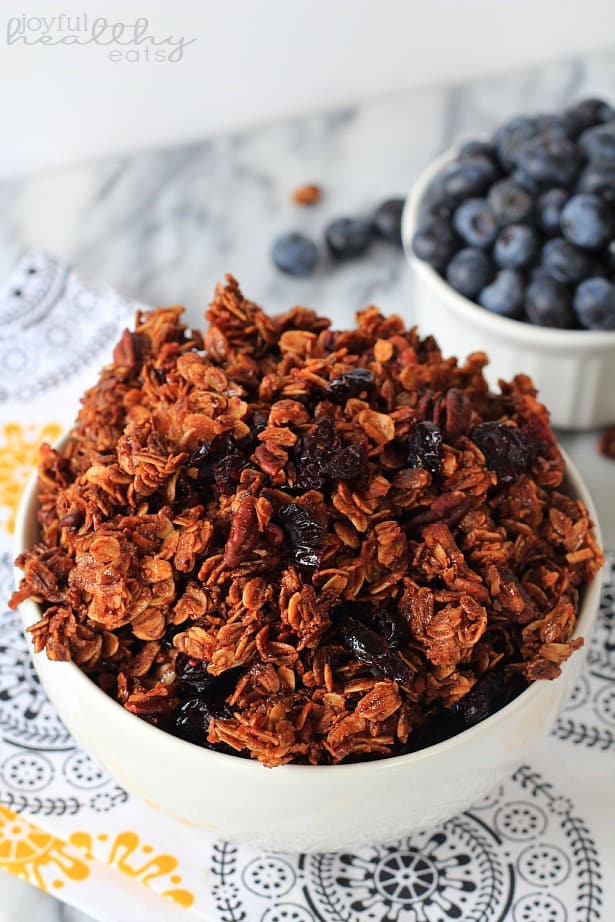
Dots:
pixel 258 60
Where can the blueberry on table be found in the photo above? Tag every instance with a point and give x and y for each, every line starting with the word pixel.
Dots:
pixel 294 254
pixel 548 303
pixel 549 160
pixel 386 220
pixel 564 262
pixel 510 202
pixel 505 295
pixel 599 179
pixel 474 221
pixel 466 178
pixel 587 221
pixel 549 210
pixel 348 238
pixel 510 136
pixel 469 271
pixel 434 241
pixel 598 143
pixel 594 303
pixel 515 247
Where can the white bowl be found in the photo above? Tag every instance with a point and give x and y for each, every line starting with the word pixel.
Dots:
pixel 574 370
pixel 296 807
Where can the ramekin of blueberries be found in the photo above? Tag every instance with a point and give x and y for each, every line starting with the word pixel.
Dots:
pixel 512 240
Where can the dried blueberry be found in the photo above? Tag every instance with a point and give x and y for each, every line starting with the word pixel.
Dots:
pixel 192 675
pixel 350 384
pixel 505 449
pixel 304 534
pixel 425 447
pixel 320 456
pixel 219 461
pixel 371 648
pixel 380 617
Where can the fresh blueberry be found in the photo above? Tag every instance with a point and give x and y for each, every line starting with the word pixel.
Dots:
pixel 386 220
pixel 553 125
pixel 550 205
pixel 565 262
pixel 585 114
pixel 435 199
pixel 469 271
pixel 467 178
pixel 598 143
pixel 474 221
pixel 510 136
pixel 548 303
pixel 530 185
pixel 294 254
pixel 594 303
pixel 515 247
pixel 434 241
pixel 586 221
pixel 550 161
pixel 348 238
pixel 610 257
pixel 505 295
pixel 599 178
pixel 510 203
pixel 476 149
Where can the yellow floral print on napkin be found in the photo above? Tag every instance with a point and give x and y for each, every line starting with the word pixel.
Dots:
pixel 36 856
pixel 19 455
pixel 126 852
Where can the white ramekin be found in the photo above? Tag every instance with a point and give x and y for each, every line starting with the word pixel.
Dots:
pixel 574 370
pixel 295 807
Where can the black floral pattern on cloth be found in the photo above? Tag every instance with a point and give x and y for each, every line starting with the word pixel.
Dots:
pixel 588 718
pixel 521 855
pixel 52 327
pixel 42 771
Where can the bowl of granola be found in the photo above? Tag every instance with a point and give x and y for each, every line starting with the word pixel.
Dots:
pixel 305 588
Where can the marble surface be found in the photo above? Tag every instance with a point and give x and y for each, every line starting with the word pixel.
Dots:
pixel 164 226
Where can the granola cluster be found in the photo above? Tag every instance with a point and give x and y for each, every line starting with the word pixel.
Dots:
pixel 306 545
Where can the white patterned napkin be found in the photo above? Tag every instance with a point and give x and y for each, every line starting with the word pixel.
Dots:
pixel 541 848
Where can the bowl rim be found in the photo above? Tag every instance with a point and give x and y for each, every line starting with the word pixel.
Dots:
pixel 547 337
pixel 30 613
